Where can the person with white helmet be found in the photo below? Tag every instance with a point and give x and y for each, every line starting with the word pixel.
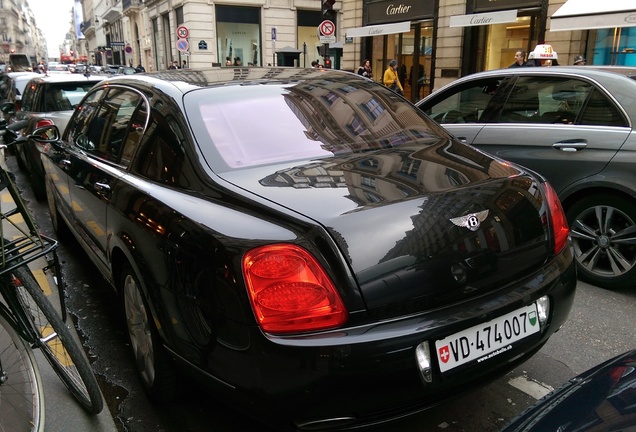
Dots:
pixel 544 55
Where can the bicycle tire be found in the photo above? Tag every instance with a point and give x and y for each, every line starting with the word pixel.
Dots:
pixel 57 343
pixel 21 389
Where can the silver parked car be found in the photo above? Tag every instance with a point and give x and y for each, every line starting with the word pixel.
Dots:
pixel 46 100
pixel 574 125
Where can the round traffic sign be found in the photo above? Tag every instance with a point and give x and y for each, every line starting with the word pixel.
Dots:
pixel 182 32
pixel 182 45
pixel 327 28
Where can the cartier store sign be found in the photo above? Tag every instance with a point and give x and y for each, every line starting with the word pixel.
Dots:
pixel 494 5
pixel 399 10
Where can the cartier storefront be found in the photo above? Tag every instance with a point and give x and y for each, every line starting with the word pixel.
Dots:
pixel 495 29
pixel 404 31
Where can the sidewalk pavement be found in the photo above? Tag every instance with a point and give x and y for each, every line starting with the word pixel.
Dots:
pixel 62 412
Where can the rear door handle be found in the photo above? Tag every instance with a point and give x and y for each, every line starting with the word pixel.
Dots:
pixel 102 187
pixel 570 146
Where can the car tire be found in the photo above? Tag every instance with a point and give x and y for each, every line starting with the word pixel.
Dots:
pixel 600 228
pixel 60 228
pixel 157 371
pixel 21 165
pixel 39 187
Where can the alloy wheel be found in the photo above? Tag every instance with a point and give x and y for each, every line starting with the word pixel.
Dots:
pixel 604 239
pixel 139 330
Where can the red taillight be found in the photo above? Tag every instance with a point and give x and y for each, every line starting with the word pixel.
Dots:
pixel 290 292
pixel 560 227
pixel 43 122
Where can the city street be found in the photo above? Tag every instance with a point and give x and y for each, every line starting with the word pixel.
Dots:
pixel 598 328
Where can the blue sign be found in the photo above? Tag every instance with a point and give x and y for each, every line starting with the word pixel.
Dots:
pixel 182 44
pixel 273 33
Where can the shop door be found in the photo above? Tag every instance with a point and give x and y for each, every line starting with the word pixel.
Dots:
pixel 415 61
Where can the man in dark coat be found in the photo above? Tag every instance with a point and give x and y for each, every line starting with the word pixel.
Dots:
pixel 520 60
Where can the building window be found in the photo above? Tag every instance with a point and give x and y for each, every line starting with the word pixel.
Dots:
pixel 372 108
pixel 165 22
pixel 330 98
pixel 156 37
pixel 238 40
pixel 612 47
pixel 356 126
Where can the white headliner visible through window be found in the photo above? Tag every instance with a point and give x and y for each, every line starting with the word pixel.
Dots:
pixel 259 131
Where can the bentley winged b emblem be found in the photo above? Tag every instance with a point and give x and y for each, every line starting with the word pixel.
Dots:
pixel 471 221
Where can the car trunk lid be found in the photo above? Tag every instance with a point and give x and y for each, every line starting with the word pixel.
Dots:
pixel 420 226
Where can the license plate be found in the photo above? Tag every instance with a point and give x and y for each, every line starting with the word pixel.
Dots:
pixel 487 340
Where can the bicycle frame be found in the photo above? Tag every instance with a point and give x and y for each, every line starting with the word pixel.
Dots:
pixel 30 245
pixel 15 315
pixel 34 319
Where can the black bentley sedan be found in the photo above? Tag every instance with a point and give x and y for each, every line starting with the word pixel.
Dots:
pixel 308 243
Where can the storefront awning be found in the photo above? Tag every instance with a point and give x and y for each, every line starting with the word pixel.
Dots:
pixel 378 30
pixel 289 49
pixel 487 18
pixel 586 14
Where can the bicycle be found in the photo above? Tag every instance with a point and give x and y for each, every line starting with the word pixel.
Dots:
pixel 29 320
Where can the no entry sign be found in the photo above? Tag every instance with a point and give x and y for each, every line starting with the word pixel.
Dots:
pixel 327 28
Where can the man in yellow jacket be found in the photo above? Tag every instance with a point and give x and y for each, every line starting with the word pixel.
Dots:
pixel 391 79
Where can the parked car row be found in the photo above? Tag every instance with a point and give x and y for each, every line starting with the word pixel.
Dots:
pixel 316 249
pixel 310 244
pixel 45 99
pixel 12 86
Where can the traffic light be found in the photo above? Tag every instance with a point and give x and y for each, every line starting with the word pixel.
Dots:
pixel 327 10
pixel 323 50
pixel 327 63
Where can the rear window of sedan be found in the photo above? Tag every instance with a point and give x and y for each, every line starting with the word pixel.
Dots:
pixel 65 96
pixel 264 124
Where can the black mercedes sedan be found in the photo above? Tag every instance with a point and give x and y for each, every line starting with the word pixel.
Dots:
pixel 309 244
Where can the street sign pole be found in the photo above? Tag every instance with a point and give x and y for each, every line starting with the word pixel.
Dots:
pixel 327 35
pixel 273 46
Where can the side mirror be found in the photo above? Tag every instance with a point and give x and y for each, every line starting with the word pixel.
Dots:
pixel 46 134
pixel 8 108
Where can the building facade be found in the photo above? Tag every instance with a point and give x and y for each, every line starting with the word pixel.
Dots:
pixel 433 41
pixel 19 32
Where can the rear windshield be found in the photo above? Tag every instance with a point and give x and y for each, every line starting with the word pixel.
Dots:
pixel 241 126
pixel 19 62
pixel 66 96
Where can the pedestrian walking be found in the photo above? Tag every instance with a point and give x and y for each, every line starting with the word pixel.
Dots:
pixel 579 60
pixel 520 60
pixel 391 79
pixel 365 69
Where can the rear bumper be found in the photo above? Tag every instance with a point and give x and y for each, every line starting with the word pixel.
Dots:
pixel 367 375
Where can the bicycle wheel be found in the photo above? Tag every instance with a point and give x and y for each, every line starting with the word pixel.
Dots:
pixel 21 392
pixel 57 343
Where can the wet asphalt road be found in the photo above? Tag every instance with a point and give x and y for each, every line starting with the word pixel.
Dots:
pixel 600 326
